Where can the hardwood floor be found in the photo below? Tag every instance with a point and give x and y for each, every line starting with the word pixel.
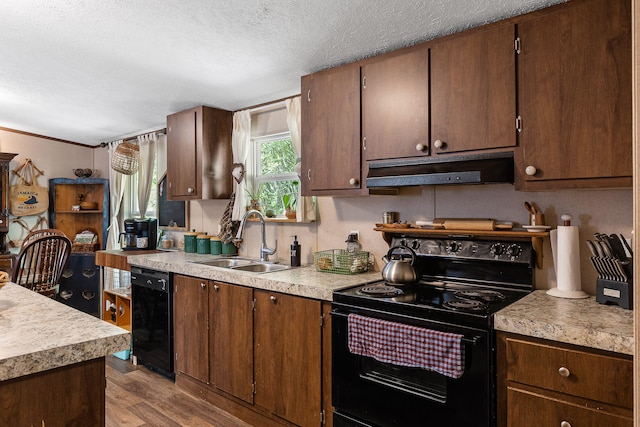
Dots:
pixel 136 396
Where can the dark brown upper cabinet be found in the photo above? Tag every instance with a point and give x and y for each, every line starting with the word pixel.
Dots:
pixel 473 91
pixel 395 106
pixel 574 72
pixel 331 155
pixel 199 155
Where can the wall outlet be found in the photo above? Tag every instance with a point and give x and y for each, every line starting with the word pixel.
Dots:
pixel 356 232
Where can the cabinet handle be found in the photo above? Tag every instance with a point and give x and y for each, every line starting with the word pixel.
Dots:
pixel 364 143
pixel 530 170
pixel 364 82
pixel 309 174
pixel 273 299
pixel 420 147
pixel 353 181
pixel 203 285
pixel 438 143
pixel 190 190
pixel 564 372
pixel 565 424
pixel 309 95
pixel 216 288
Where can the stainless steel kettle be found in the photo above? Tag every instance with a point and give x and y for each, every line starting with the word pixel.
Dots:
pixel 399 271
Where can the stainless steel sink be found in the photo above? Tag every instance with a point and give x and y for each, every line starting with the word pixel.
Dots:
pixel 244 264
pixel 226 262
pixel 262 267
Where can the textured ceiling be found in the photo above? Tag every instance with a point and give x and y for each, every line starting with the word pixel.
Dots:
pixel 92 71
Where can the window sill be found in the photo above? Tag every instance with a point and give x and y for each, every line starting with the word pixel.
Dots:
pixel 278 220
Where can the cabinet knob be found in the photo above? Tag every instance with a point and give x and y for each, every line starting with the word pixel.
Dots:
pixel 353 181
pixel 273 299
pixel 564 372
pixel 438 143
pixel 203 285
pixel 190 190
pixel 565 424
pixel 420 147
pixel 530 170
pixel 216 288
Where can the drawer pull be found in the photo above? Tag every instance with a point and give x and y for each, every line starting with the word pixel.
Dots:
pixel 565 424
pixel 564 372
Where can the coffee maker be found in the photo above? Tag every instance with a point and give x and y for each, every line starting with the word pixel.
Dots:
pixel 139 234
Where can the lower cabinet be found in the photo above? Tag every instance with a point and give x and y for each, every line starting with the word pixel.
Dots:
pixel 288 353
pixel 543 382
pixel 231 339
pixel 254 353
pixel 191 327
pixel 80 283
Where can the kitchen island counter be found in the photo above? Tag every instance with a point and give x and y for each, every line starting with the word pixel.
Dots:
pixel 39 334
pixel 301 281
pixel 582 322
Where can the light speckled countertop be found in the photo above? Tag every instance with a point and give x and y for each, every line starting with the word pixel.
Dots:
pixel 581 322
pixel 301 281
pixel 38 333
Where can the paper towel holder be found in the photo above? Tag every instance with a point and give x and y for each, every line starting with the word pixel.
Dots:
pixel 561 291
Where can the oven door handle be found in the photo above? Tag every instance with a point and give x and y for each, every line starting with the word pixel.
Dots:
pixel 473 340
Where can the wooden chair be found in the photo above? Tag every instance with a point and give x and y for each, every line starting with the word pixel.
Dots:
pixel 42 232
pixel 41 262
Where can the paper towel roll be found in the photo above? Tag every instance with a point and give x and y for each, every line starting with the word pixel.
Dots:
pixel 566 259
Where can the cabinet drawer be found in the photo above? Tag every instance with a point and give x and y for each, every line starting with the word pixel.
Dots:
pixel 598 377
pixel 528 409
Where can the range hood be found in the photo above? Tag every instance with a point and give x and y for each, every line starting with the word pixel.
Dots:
pixel 484 168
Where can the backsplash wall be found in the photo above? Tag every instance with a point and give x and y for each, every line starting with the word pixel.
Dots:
pixel 605 211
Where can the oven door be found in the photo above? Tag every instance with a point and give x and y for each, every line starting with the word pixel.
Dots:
pixel 371 393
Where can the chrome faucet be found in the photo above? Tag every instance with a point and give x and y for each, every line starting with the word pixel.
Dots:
pixel 264 250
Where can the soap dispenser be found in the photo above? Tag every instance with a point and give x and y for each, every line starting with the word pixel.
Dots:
pixel 295 252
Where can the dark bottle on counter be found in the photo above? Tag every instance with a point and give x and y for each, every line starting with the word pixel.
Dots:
pixel 295 252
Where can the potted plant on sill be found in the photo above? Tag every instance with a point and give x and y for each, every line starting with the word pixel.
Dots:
pixel 290 202
pixel 254 198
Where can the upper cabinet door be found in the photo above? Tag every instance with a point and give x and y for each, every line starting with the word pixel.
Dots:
pixel 331 132
pixel 182 155
pixel 575 97
pixel 473 91
pixel 395 106
pixel 199 155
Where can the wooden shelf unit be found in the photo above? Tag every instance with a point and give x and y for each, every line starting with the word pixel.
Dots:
pixel 119 311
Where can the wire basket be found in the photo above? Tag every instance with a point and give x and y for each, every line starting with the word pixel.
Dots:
pixel 125 158
pixel 341 262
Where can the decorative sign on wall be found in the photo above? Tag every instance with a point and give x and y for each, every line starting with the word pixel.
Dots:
pixel 27 197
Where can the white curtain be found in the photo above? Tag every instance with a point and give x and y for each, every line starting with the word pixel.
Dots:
pixel 241 148
pixel 148 144
pixel 117 184
pixel 305 209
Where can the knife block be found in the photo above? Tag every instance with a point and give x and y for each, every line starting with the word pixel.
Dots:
pixel 614 292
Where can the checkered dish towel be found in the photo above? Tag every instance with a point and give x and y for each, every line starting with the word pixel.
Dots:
pixel 406 345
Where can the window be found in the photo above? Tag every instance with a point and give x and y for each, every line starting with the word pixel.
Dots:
pixel 131 195
pixel 274 172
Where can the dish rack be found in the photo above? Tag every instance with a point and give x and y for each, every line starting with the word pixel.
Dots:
pixel 340 261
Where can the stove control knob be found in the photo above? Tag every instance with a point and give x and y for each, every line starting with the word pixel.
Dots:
pixel 497 249
pixel 454 247
pixel 514 250
pixel 415 244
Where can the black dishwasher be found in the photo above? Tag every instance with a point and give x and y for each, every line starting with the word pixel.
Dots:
pixel 152 319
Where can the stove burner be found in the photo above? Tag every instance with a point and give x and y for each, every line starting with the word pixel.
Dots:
pixel 381 290
pixel 465 304
pixel 482 294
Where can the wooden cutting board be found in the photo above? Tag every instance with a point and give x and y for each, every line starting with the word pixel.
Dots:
pixel 484 224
